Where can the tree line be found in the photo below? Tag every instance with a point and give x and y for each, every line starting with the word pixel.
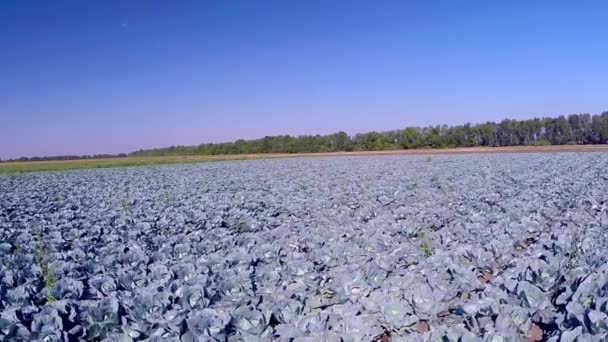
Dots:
pixel 68 157
pixel 562 130
pixel 574 129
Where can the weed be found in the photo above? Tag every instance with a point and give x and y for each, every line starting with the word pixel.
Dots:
pixel 587 302
pixel 41 258
pixel 447 193
pixel 425 243
pixel 575 250
pixel 124 205
pixel 427 249
pixel 168 199
pixel 50 299
pixel 39 254
pixel 17 248
pixel 49 277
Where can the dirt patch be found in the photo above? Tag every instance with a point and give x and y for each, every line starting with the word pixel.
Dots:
pixel 423 326
pixel 535 333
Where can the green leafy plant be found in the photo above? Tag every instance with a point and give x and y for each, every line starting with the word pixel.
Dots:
pixel 50 299
pixel 124 206
pixel 425 243
pixel 41 258
pixel 447 193
pixel 575 249
pixel 17 248
pixel 168 198
pixel 427 249
pixel 587 302
pixel 49 278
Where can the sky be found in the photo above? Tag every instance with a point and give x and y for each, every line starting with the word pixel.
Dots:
pixel 90 77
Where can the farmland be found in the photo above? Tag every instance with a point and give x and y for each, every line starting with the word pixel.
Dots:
pixel 63 165
pixel 453 246
pixel 103 163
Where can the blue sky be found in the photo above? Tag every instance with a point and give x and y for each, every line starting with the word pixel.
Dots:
pixel 85 77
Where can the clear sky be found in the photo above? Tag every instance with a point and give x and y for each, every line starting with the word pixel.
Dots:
pixel 86 77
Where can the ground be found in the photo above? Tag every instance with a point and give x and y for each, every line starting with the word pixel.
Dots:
pixel 61 165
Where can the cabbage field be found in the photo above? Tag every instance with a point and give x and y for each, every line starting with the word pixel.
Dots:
pixel 403 248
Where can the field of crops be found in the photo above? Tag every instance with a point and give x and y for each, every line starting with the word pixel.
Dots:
pixel 388 248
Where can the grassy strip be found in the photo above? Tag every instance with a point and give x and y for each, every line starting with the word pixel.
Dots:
pixel 62 165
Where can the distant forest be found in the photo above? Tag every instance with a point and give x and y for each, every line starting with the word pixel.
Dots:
pixel 573 129
pixel 576 129
pixel 67 157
